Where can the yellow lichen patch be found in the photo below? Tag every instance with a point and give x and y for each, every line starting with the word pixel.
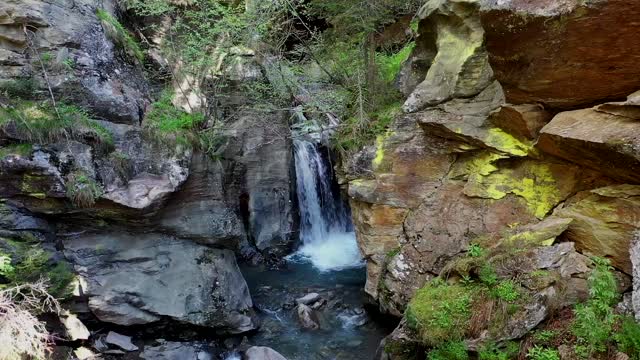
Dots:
pixel 533 182
pixel 380 143
pixel 481 163
pixel 506 143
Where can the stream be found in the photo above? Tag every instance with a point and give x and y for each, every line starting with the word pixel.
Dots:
pixel 328 263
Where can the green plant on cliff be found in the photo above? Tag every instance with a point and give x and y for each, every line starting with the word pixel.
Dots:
pixel 628 338
pixel 595 319
pixel 440 312
pixel 82 190
pixel 451 350
pixel 540 353
pixel 39 122
pixel 491 351
pixel 119 35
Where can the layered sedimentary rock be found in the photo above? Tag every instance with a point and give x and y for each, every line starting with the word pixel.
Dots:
pixel 487 149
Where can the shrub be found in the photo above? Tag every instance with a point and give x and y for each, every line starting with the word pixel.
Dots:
pixel 544 337
pixel 506 290
pixel 119 35
pixel 451 350
pixel 595 319
pixel 540 353
pixel 23 87
pixel 628 338
pixel 475 250
pixel 492 352
pixel 82 190
pixel 166 121
pixel 42 123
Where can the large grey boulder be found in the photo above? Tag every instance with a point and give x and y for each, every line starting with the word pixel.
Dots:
pixel 262 353
pixel 83 65
pixel 144 278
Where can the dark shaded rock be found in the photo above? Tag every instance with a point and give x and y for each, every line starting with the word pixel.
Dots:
pixel 522 121
pixel 144 278
pixel 71 33
pixel 307 317
pixel 169 350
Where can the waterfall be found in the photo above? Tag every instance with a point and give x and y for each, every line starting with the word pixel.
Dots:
pixel 326 231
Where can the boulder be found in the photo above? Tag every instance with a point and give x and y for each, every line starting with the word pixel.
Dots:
pixel 121 341
pixel 83 64
pixel 262 353
pixel 602 138
pixel 604 221
pixel 134 279
pixel 308 299
pixel 307 317
pixel 170 350
pixel 75 329
pixel 522 121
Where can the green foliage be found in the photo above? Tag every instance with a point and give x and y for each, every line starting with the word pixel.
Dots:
pixel 544 337
pixel 487 275
pixel 42 123
pixel 540 353
pixel 82 190
pixel 451 350
pixel 32 264
pixel 595 319
pixel 168 122
pixel 119 35
pixel 628 338
pixel 390 65
pixel 21 150
pixel 6 269
pixel 491 351
pixel 24 87
pixel 440 312
pixel 475 250
pixel 506 290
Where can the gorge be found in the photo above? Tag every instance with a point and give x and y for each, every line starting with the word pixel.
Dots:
pixel 320 179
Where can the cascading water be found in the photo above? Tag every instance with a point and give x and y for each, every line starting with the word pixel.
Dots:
pixel 326 231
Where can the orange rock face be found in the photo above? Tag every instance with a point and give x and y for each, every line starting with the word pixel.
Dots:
pixel 575 59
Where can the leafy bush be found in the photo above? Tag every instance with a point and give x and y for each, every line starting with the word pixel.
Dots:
pixel 168 122
pixel 595 319
pixel 475 250
pixel 451 350
pixel 492 352
pixel 506 290
pixel 628 338
pixel 24 87
pixel 540 353
pixel 119 35
pixel 33 265
pixel 82 190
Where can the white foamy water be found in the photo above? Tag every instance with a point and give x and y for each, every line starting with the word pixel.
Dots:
pixel 328 241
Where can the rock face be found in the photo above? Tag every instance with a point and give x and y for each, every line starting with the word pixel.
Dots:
pixel 604 137
pixel 635 259
pixel 143 278
pixel 494 142
pixel 82 63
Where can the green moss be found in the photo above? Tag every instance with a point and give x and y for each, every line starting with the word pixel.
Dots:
pixel 451 350
pixel 119 35
pixel 440 312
